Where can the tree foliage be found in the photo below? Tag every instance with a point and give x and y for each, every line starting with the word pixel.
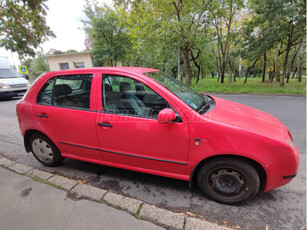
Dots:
pixel 216 37
pixel 110 40
pixel 23 26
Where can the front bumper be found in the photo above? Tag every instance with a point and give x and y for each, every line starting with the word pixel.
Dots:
pixel 8 93
pixel 282 171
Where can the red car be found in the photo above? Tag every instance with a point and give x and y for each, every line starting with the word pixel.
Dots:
pixel 143 120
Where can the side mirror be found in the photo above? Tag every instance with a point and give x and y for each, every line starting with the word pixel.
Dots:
pixel 166 115
pixel 26 76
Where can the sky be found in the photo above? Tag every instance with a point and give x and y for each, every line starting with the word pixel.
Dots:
pixel 64 18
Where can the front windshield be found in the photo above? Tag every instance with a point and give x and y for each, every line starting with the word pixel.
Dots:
pixel 185 93
pixel 8 73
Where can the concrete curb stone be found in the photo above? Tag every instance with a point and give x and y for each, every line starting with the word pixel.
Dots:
pixel 197 224
pixel 129 204
pixel 41 174
pixel 20 168
pixel 6 162
pixel 162 216
pixel 89 191
pixel 63 182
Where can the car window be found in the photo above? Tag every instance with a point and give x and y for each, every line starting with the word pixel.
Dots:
pixel 123 95
pixel 44 97
pixel 70 91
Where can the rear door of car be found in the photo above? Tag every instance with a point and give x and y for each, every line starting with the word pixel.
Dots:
pixel 65 111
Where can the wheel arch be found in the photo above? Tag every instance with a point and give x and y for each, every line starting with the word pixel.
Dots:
pixel 27 136
pixel 258 167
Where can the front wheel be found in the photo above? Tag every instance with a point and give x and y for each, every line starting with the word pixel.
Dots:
pixel 44 150
pixel 228 180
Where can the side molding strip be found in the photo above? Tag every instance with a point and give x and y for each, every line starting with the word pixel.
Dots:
pixel 124 154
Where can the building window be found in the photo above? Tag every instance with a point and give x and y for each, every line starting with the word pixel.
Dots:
pixel 79 65
pixel 64 66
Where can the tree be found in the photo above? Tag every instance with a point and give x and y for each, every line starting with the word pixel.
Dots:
pixel 111 42
pixel 285 25
pixel 38 66
pixel 223 14
pixel 23 26
pixel 177 21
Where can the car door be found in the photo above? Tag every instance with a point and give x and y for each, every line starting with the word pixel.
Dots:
pixel 129 133
pixel 64 111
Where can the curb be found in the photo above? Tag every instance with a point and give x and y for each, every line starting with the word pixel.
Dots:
pixel 137 208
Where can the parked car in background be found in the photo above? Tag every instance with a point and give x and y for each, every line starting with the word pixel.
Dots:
pixel 143 120
pixel 12 83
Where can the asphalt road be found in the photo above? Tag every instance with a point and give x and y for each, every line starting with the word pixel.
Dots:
pixel 282 208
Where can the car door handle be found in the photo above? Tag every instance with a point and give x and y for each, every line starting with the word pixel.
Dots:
pixel 105 125
pixel 43 115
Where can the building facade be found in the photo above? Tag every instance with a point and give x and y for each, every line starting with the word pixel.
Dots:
pixel 70 61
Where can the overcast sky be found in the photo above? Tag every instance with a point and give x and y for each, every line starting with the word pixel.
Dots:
pixel 64 18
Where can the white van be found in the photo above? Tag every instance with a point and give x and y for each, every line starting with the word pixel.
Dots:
pixel 12 84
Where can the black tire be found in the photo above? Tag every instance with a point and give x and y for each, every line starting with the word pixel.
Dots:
pixel 228 180
pixel 44 150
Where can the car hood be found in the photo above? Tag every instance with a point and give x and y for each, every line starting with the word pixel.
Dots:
pixel 247 118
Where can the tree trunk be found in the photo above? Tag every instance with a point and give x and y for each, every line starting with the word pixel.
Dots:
pixel 264 67
pixel 284 69
pixel 187 65
pixel 300 69
pixel 230 77
pixel 223 71
pixel 248 69
pixel 246 75
pixel 212 74
pixel 293 74
pixel 288 76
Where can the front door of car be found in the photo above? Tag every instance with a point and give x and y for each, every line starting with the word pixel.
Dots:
pixel 63 109
pixel 129 133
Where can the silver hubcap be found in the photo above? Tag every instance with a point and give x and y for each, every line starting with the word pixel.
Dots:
pixel 42 150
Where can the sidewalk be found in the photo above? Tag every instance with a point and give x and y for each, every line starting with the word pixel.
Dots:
pixel 35 199
pixel 28 204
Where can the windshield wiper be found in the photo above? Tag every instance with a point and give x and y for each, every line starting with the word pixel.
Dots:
pixel 204 105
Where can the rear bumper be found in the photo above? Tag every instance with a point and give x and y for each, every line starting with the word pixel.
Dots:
pixel 282 171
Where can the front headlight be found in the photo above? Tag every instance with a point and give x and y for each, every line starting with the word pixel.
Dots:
pixel 4 86
pixel 29 84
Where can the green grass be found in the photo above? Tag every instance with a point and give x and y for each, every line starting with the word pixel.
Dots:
pixel 253 85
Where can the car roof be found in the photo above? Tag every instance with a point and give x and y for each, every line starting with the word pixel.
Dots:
pixel 121 69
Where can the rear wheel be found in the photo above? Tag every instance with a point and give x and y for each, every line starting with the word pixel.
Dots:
pixel 228 180
pixel 44 150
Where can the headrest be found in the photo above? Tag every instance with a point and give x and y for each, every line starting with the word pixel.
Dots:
pixel 124 86
pixel 108 87
pixel 87 85
pixel 62 89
